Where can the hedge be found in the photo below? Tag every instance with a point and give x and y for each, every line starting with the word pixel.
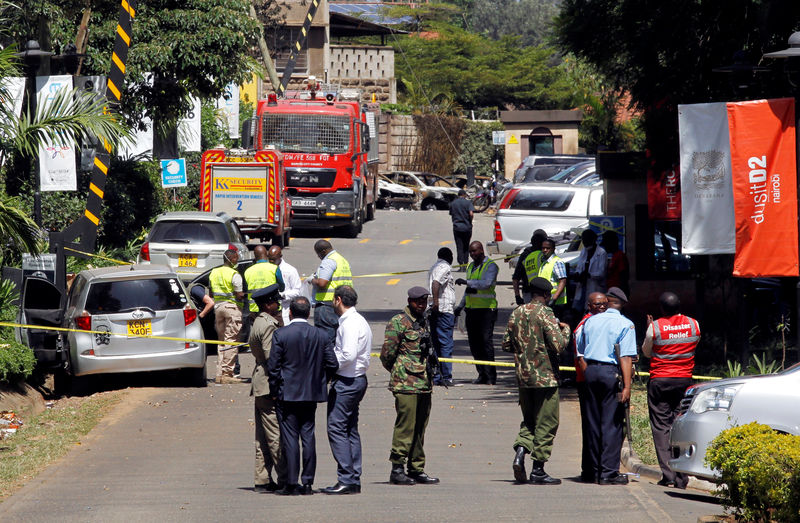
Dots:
pixel 16 361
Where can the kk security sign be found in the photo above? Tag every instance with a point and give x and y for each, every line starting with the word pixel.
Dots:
pixel 173 173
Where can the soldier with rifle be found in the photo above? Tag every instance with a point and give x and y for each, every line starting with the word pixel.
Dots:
pixel 408 354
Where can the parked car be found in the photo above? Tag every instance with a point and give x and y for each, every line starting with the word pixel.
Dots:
pixel 116 306
pixel 434 192
pixel 391 194
pixel 538 173
pixel 557 159
pixel 709 408
pixel 191 242
pixel 554 207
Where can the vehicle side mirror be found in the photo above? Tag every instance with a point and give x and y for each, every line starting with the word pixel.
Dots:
pixel 247 134
pixel 365 138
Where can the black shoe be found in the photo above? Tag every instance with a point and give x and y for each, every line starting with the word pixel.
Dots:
pixel 342 488
pixel 619 479
pixel 664 482
pixel 261 489
pixel 540 477
pixel 480 381
pixel 422 478
pixel 519 464
pixel 289 490
pixel 398 477
pixel 448 383
pixel 305 490
pixel 269 487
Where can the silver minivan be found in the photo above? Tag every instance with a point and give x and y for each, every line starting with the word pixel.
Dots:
pixel 191 242
pixel 110 312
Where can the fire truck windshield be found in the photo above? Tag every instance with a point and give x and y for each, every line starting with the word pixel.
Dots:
pixel 309 133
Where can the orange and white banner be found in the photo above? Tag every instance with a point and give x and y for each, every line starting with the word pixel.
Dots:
pixel 763 163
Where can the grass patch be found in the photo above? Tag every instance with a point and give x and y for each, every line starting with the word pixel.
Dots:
pixel 640 426
pixel 48 436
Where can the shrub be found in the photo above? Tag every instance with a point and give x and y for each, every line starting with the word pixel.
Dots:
pixel 760 472
pixel 16 360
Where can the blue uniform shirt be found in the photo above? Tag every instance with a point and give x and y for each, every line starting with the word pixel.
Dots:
pixel 601 332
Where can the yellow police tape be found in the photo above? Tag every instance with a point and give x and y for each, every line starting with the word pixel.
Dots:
pixel 119 262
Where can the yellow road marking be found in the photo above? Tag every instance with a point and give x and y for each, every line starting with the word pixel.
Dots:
pixel 405 242
pixel 365 240
pixel 393 281
pixel 446 242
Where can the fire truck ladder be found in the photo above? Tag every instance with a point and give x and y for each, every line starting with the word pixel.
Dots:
pixel 80 236
pixel 298 46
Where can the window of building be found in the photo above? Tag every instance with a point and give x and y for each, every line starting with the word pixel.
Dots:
pixel 281 43
pixel 658 250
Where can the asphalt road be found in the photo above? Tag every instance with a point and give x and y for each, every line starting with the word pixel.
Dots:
pixel 186 454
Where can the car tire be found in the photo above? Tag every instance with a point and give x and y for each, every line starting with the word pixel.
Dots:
pixel 196 377
pixel 370 211
pixel 286 237
pixel 481 203
pixel 429 205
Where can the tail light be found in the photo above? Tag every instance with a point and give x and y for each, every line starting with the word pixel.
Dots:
pixel 498 232
pixel 144 252
pixel 189 315
pixel 508 198
pixel 84 321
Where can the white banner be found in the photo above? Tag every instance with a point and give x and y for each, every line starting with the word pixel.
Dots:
pixel 189 128
pixel 230 109
pixel 142 144
pixel 706 179
pixel 57 170
pixel 16 88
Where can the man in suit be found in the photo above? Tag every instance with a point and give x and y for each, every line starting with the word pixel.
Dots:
pixel 300 363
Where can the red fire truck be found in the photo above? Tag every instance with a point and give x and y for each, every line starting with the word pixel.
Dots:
pixel 329 143
pixel 250 187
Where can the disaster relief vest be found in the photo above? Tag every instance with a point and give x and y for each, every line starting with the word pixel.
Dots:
pixel 483 298
pixel 258 276
pixel 531 264
pixel 221 281
pixel 341 276
pixel 674 342
pixel 546 272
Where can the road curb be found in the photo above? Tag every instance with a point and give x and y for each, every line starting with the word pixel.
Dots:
pixel 632 463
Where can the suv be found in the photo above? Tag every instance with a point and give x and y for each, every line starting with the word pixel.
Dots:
pixel 564 160
pixel 115 306
pixel 190 242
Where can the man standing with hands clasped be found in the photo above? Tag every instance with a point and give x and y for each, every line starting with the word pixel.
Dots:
pixel 443 297
pixel 407 354
pixel 535 336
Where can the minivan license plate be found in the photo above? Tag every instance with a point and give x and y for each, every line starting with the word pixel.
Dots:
pixel 139 328
pixel 304 203
pixel 187 260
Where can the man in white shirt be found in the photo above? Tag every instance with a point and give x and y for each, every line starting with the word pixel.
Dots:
pixel 442 302
pixel 591 269
pixel 291 278
pixel 352 349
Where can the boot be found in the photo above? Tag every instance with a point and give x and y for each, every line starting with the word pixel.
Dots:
pixel 398 476
pixel 519 464
pixel 540 477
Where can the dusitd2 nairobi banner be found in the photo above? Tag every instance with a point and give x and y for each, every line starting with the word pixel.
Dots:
pixel 739 184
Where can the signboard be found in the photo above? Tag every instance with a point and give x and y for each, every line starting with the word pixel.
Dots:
pixel 601 224
pixel 240 190
pixel 41 266
pixel 57 168
pixel 173 173
pixel 498 137
pixel 512 140
pixel 228 104
pixel 189 128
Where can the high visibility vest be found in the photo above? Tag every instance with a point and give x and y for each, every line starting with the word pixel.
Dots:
pixel 483 298
pixel 546 272
pixel 258 276
pixel 221 281
pixel 531 264
pixel 341 276
pixel 674 344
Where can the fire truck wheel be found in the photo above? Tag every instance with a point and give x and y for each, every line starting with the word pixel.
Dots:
pixel 370 212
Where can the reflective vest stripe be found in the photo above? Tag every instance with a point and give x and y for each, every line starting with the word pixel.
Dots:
pixel 673 357
pixel 221 282
pixel 546 272
pixel 483 298
pixel 258 276
pixel 341 276
pixel 683 356
pixel 531 263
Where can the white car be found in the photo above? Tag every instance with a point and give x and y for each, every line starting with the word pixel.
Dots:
pixel 555 207
pixel 434 191
pixel 709 408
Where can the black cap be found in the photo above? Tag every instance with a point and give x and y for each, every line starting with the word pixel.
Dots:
pixel 417 292
pixel 616 292
pixel 267 294
pixel 541 284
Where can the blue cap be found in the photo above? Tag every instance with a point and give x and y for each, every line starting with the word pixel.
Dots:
pixel 267 294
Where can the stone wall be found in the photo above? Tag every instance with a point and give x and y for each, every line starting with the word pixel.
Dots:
pixel 397 141
pixel 369 68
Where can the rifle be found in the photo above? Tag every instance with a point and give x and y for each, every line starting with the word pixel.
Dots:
pixel 627 404
pixel 432 364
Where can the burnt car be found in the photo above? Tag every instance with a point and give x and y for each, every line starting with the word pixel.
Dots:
pixel 432 192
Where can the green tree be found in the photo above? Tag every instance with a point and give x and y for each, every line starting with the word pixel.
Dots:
pixel 531 20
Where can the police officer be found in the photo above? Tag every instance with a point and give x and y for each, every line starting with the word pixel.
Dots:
pixel 535 337
pixel 268 445
pixel 550 267
pixel 333 271
pixel 260 275
pixel 407 354
pixel 226 286
pixel 670 342
pixel 480 301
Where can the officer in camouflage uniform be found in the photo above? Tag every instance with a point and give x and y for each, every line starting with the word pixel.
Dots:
pixel 535 336
pixel 408 354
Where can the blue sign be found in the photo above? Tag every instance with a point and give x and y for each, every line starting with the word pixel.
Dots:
pixel 173 173
pixel 601 224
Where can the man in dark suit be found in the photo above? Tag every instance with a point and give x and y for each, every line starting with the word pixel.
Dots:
pixel 300 363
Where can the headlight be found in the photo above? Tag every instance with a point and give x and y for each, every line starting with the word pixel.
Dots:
pixel 715 398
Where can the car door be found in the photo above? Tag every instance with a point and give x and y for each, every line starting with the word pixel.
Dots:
pixel 41 304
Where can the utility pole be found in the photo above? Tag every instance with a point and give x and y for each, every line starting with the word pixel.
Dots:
pixel 262 44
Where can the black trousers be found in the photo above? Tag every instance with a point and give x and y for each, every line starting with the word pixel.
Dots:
pixel 296 419
pixel 663 399
pixel 480 329
pixel 462 239
pixel 587 467
pixel 606 419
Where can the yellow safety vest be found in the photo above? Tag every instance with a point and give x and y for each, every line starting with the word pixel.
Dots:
pixel 221 281
pixel 341 276
pixel 531 264
pixel 258 276
pixel 546 272
pixel 483 298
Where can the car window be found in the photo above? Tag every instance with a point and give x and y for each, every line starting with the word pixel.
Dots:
pixel 528 200
pixel 237 233
pixel 540 172
pixel 107 297
pixel 189 232
pixel 75 291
